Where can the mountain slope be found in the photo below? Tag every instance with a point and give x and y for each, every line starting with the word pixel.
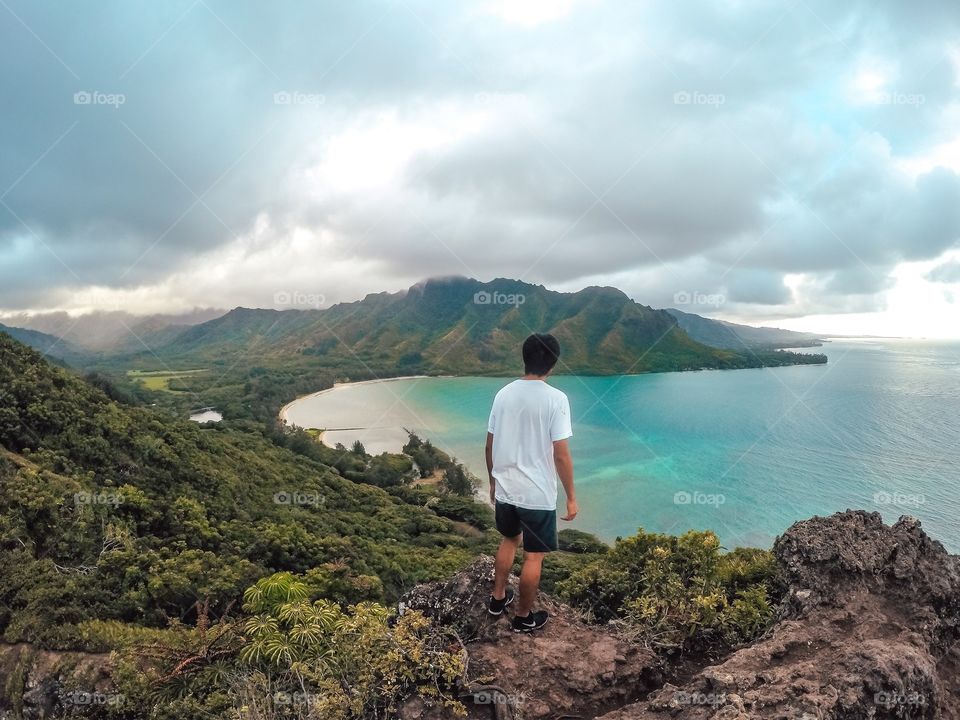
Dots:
pixel 733 336
pixel 461 326
pixel 50 345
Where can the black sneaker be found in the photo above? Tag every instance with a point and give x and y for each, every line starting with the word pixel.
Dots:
pixel 496 606
pixel 533 621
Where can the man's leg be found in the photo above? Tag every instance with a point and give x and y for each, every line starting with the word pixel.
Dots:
pixel 529 581
pixel 506 554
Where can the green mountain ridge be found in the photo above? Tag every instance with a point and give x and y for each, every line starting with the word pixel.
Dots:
pixel 460 326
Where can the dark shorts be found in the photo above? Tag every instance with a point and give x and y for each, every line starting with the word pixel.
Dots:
pixel 539 527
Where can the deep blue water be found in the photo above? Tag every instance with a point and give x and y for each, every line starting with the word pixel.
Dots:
pixel 743 452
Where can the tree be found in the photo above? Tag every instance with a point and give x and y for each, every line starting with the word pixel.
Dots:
pixel 457 480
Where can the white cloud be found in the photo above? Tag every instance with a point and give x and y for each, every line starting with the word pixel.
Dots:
pixel 374 152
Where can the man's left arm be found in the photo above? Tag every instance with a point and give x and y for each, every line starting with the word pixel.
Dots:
pixel 564 463
pixel 561 430
pixel 488 452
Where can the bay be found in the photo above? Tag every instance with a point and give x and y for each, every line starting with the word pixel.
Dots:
pixel 744 453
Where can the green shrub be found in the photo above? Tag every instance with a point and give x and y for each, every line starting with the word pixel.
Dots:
pixel 464 509
pixel 560 566
pixel 743 568
pixel 679 592
pixel 578 541
pixel 389 470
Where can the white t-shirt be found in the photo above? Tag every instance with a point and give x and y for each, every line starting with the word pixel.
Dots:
pixel 528 416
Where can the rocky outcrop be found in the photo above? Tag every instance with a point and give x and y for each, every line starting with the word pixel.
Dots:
pixel 869 630
pixel 47 684
pixel 567 669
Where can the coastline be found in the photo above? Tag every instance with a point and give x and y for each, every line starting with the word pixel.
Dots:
pixel 323 433
pixel 479 494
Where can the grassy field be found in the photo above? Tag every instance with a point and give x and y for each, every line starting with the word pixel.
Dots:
pixel 161 379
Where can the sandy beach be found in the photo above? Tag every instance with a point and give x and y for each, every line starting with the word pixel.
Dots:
pixel 340 418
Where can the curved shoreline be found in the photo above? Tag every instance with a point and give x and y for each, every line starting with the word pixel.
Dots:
pixel 283 414
pixel 283 411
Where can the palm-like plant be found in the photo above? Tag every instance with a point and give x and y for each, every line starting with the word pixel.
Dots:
pixel 261 625
pixel 271 592
pixel 280 650
pixel 296 613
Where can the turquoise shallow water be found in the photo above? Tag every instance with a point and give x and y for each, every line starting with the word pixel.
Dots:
pixel 743 452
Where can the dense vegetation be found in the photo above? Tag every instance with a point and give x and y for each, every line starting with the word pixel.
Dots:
pixel 115 512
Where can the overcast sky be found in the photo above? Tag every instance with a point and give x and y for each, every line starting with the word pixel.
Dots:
pixel 788 162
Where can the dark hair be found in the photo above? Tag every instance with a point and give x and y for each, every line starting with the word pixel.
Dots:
pixel 540 353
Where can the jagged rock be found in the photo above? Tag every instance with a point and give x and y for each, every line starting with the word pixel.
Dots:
pixel 46 684
pixel 869 631
pixel 568 668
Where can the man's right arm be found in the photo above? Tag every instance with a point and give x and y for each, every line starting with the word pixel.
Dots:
pixel 564 462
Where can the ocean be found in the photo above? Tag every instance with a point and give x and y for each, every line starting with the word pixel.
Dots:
pixel 742 452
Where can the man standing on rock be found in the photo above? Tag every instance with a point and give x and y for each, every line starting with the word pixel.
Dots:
pixel 527 451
